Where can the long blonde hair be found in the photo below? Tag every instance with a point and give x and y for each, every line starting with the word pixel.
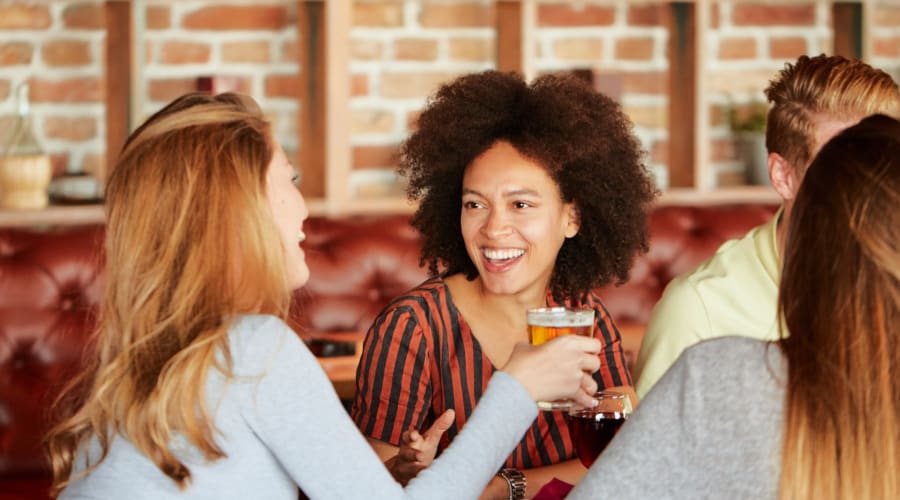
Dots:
pixel 822 87
pixel 840 297
pixel 189 244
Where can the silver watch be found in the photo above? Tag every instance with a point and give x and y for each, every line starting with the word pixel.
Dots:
pixel 515 480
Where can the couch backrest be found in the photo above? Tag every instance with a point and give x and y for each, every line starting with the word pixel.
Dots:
pixel 50 284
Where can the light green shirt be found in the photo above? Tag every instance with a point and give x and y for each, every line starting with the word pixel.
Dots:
pixel 735 292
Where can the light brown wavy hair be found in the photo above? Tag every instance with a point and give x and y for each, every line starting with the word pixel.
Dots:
pixel 822 88
pixel 840 299
pixel 189 244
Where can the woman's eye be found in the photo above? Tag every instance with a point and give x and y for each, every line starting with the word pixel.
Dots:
pixel 521 204
pixel 471 204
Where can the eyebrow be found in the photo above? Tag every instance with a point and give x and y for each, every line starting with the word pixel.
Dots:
pixel 507 194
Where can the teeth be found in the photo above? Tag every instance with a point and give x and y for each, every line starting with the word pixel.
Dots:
pixel 301 236
pixel 504 254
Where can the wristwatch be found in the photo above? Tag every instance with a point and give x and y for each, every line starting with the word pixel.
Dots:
pixel 515 480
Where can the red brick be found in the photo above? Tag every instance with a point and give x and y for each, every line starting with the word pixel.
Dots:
pixel 737 48
pixel 371 121
pixel 375 156
pixel 788 48
pixel 652 117
pixel 715 16
pixel 411 85
pixel 66 53
pixel 246 52
pixel 359 85
pixel 31 17
pixel 237 17
pixel 83 89
pixel 659 152
pixel 773 15
pixel 91 163
pixel 85 17
pixel 570 15
pixel 159 17
pixel 365 50
pixel 886 15
pixel 646 15
pixel 471 49
pixel 15 53
pixel 578 49
pixel 164 90
pixel 886 46
pixel 415 49
pixel 634 48
pixel 290 51
pixel 722 149
pixel 69 128
pixel 282 86
pixel 645 82
pixel 456 15
pixel 378 14
pixel 58 163
pixel 184 52
pixel 725 178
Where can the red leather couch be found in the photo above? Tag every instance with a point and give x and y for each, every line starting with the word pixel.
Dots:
pixel 50 283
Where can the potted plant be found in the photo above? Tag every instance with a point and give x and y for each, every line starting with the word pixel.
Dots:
pixel 748 123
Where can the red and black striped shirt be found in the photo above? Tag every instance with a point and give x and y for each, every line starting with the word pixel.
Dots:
pixel 420 358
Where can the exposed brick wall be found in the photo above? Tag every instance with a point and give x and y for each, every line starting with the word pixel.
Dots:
pixel 400 51
pixel 57 47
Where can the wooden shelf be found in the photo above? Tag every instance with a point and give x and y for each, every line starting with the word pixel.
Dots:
pixel 717 196
pixel 54 215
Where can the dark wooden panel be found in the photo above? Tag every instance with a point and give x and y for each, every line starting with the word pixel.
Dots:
pixel 312 93
pixel 118 79
pixel 848 29
pixel 509 36
pixel 682 93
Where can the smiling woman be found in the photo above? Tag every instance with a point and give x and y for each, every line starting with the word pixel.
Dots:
pixel 529 196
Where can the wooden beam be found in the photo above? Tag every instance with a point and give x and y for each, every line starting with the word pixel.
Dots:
pixel 848 29
pixel 118 80
pixel 313 94
pixel 682 94
pixel 510 36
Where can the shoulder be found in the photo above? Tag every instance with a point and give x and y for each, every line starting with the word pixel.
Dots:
pixel 733 363
pixel 259 340
pixel 430 299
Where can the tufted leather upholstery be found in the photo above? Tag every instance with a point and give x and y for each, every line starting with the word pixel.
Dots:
pixel 50 283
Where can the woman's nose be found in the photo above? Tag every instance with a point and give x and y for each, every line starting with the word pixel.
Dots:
pixel 496 224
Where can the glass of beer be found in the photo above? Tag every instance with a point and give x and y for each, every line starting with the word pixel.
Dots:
pixel 547 323
pixel 593 428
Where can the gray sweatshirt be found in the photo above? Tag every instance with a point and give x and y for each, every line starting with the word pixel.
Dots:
pixel 282 426
pixel 710 428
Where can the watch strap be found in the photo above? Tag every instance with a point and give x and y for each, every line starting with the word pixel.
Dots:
pixel 515 480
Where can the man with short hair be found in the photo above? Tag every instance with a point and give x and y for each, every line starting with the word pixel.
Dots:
pixel 735 291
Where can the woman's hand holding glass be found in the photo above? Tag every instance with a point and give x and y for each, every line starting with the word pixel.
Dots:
pixel 558 369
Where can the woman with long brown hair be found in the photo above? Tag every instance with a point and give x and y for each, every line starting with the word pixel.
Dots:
pixel 196 387
pixel 816 414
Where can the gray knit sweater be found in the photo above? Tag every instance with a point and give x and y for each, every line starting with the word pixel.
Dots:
pixel 710 428
pixel 282 426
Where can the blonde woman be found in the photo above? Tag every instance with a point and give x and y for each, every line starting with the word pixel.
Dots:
pixel 816 414
pixel 196 387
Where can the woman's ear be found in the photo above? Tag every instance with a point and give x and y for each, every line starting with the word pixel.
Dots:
pixel 573 224
pixel 783 176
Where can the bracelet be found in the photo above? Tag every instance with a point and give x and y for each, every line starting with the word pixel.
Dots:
pixel 515 480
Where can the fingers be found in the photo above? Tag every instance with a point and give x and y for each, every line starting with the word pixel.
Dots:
pixel 440 426
pixel 585 399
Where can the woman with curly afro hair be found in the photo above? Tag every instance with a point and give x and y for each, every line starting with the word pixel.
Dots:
pixel 529 196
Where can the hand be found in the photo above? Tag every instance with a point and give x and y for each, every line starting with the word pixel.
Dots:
pixel 417 450
pixel 557 369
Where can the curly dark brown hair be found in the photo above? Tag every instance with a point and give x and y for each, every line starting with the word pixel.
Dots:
pixel 580 136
